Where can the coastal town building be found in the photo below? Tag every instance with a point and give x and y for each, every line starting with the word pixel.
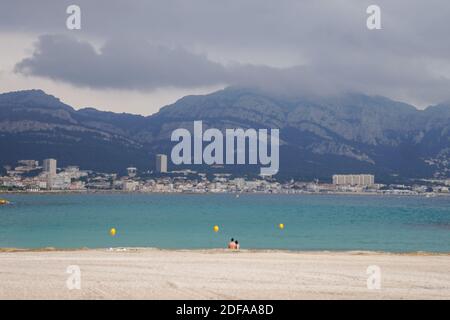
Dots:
pixel 131 172
pixel 161 163
pixel 49 166
pixel 130 185
pixel 27 165
pixel 354 179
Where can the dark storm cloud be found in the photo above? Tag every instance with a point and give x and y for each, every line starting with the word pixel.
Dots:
pixel 135 64
pixel 408 58
pixel 120 64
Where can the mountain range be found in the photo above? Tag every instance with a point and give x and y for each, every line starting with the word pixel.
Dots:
pixel 320 136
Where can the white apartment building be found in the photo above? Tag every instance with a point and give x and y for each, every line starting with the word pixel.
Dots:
pixel 161 163
pixel 354 179
pixel 49 166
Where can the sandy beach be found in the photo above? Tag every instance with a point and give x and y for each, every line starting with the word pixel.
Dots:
pixel 221 274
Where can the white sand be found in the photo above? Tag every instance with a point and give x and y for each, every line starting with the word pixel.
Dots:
pixel 220 274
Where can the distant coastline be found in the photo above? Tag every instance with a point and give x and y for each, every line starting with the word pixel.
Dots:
pixel 342 193
pixel 224 250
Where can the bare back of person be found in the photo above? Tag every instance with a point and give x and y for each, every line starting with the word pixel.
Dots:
pixel 232 244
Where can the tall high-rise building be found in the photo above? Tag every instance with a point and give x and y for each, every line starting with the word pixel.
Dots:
pixel 49 166
pixel 161 163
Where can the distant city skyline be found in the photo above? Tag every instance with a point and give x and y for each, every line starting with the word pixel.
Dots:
pixel 74 179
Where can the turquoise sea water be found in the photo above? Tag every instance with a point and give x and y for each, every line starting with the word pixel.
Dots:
pixel 312 222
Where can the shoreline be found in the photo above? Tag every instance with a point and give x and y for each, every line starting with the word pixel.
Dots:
pixel 224 250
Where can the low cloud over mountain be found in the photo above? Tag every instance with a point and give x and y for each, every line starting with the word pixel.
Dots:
pixel 137 64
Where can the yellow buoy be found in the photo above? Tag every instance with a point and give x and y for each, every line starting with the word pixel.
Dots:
pixel 216 228
pixel 281 226
pixel 3 201
pixel 112 232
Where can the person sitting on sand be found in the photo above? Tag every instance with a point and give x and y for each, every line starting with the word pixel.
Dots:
pixel 237 245
pixel 232 244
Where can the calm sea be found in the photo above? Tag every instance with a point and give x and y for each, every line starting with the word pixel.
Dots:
pixel 312 222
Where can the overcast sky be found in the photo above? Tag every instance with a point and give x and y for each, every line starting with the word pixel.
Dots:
pixel 136 56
